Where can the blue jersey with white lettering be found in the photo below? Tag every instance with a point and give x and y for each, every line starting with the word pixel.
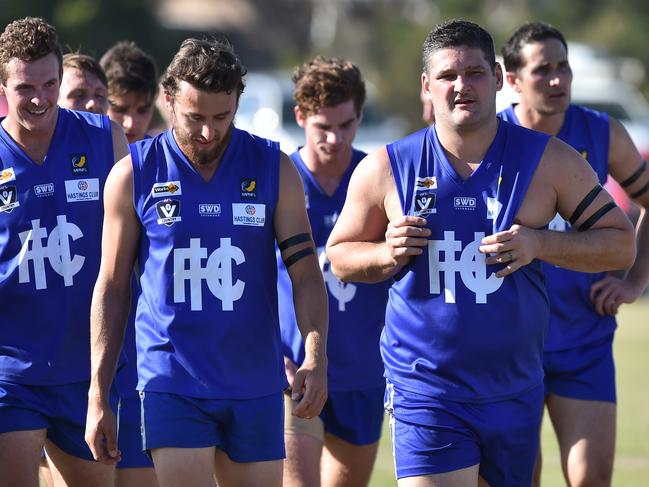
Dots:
pixel 50 239
pixel 573 319
pixel 356 311
pixel 206 323
pixel 453 329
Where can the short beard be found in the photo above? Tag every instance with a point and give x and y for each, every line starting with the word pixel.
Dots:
pixel 195 154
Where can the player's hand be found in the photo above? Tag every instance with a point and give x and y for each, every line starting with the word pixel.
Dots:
pixel 515 248
pixel 290 368
pixel 609 293
pixel 309 389
pixel 101 434
pixel 405 237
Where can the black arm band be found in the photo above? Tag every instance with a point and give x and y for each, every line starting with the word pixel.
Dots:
pixel 596 216
pixel 297 256
pixel 640 192
pixel 588 199
pixel 634 177
pixel 294 240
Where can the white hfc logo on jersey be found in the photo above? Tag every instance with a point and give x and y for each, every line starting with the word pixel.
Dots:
pixel 343 292
pixel 56 252
pixel 217 272
pixel 471 266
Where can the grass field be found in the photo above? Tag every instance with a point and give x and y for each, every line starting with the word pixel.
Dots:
pixel 632 452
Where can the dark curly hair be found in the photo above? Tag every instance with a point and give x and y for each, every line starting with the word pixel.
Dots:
pixel 28 39
pixel 327 82
pixel 206 64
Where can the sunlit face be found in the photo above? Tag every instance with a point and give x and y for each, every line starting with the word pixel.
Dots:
pixel 133 111
pixel 544 81
pixel 82 90
pixel 462 86
pixel 202 121
pixel 32 90
pixel 330 132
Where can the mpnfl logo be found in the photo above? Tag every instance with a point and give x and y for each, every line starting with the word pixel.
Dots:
pixel 168 212
pixel 464 203
pixel 209 209
pixel 79 163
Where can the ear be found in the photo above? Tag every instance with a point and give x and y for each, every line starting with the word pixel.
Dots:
pixel 512 80
pixel 300 118
pixel 499 77
pixel 169 102
pixel 425 84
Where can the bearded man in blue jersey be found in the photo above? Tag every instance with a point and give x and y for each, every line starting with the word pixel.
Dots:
pixel 201 207
pixel 455 214
pixel 578 359
pixel 53 166
pixel 339 446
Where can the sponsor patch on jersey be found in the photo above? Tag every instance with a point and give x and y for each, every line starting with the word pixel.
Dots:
pixel 79 163
pixel 429 182
pixel 46 189
pixel 8 199
pixel 7 175
pixel 168 212
pixel 252 215
pixel 170 188
pixel 249 188
pixel 493 208
pixel 464 203
pixel 425 203
pixel 209 209
pixel 82 190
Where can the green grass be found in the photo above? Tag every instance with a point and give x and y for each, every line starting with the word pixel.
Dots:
pixel 632 451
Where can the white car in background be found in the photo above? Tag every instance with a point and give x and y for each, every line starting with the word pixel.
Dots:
pixel 266 109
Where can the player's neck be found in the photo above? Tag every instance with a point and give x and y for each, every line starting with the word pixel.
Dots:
pixel 465 148
pixel 541 122
pixel 34 143
pixel 328 173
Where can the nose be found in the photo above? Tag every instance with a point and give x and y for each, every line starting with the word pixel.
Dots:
pixel 127 122
pixel 333 136
pixel 91 105
pixel 207 132
pixel 460 84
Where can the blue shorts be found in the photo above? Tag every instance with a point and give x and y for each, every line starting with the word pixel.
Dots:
pixel 60 409
pixel 247 430
pixel 129 434
pixel 355 416
pixel 586 373
pixel 432 436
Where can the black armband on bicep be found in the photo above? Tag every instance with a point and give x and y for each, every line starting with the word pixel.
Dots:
pixel 294 240
pixel 640 192
pixel 634 177
pixel 588 199
pixel 592 219
pixel 289 261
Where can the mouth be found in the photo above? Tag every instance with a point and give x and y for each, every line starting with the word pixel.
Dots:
pixel 37 112
pixel 557 96
pixel 464 102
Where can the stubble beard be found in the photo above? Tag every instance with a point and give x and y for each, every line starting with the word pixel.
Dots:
pixel 195 154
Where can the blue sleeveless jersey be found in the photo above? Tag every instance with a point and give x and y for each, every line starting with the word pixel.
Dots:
pixel 206 323
pixel 356 311
pixel 453 329
pixel 50 239
pixel 573 319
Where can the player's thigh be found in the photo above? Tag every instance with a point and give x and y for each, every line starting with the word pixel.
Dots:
pixel 136 477
pixel 345 464
pixel 20 452
pixel 73 471
pixel 585 430
pixel 184 466
pixel 465 477
pixel 302 464
pixel 246 474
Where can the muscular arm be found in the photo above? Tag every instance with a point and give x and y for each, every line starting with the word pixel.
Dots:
pixel 309 294
pixel 560 184
pixel 110 305
pixel 372 240
pixel 120 144
pixel 624 162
